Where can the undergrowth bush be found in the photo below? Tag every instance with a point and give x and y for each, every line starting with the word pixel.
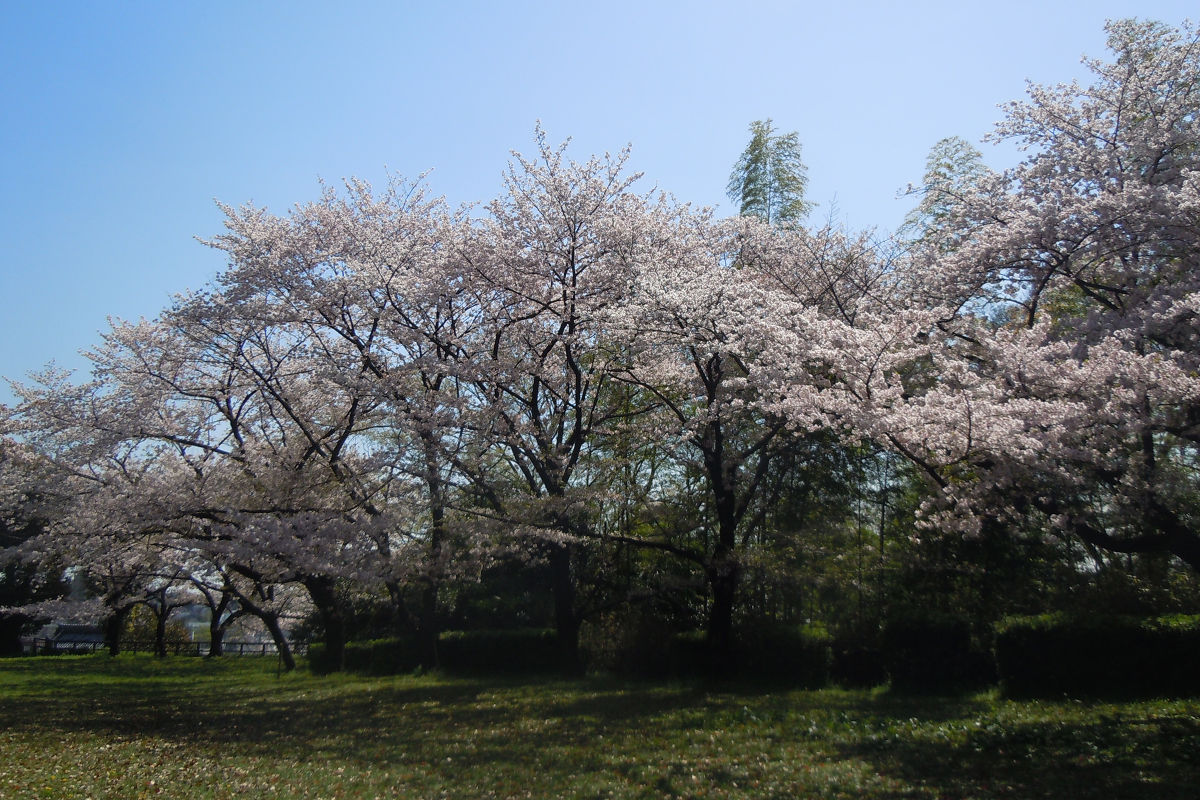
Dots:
pixel 373 657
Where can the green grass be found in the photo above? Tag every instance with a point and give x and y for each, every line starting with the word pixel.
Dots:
pixel 133 727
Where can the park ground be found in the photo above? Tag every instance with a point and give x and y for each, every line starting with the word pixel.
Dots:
pixel 135 727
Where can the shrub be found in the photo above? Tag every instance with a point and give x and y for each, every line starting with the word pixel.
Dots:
pixel 634 645
pixel 793 655
pixel 689 656
pixel 522 650
pixel 796 655
pixel 1117 656
pixel 525 650
pixel 934 654
pixel 375 657
pixel 857 664
pixel 318 659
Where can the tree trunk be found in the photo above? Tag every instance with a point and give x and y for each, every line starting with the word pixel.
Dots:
pixel 566 619
pixel 324 596
pixel 216 611
pixel 217 625
pixel 270 621
pixel 427 625
pixel 723 570
pixel 281 642
pixel 160 631
pixel 216 638
pixel 113 625
pixel 428 630
pixel 723 575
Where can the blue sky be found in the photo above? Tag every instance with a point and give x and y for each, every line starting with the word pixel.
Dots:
pixel 125 121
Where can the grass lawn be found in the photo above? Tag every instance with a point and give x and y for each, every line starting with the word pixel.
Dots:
pixel 133 727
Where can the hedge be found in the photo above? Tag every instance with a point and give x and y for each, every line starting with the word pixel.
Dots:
pixel 934 654
pixel 520 650
pixel 797 656
pixel 471 652
pixel 372 657
pixel 800 656
pixel 1111 656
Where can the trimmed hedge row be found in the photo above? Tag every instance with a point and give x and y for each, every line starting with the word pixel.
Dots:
pixel 459 652
pixel 1053 655
pixel 522 650
pixel 1045 656
pixel 372 657
pixel 795 656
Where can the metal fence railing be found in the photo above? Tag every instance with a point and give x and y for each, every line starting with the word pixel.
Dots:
pixel 50 647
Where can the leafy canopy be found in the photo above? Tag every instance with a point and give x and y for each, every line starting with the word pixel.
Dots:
pixel 769 179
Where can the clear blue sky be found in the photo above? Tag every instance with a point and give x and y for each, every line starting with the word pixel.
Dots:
pixel 123 122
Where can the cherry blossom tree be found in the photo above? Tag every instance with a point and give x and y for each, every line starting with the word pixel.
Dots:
pixel 1043 369
pixel 545 263
pixel 194 430
pixel 704 324
pixel 365 274
pixel 1095 241
pixel 58 427
pixel 376 390
pixel 29 501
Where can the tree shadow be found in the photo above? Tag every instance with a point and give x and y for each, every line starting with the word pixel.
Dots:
pixel 465 728
pixel 383 722
pixel 1146 756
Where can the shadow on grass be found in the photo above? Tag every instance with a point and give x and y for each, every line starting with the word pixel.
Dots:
pixel 382 721
pixel 644 737
pixel 1125 756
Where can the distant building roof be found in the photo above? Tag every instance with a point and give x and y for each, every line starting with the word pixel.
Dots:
pixel 70 633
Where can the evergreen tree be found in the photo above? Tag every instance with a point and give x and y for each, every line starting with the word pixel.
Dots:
pixel 769 179
pixel 954 170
